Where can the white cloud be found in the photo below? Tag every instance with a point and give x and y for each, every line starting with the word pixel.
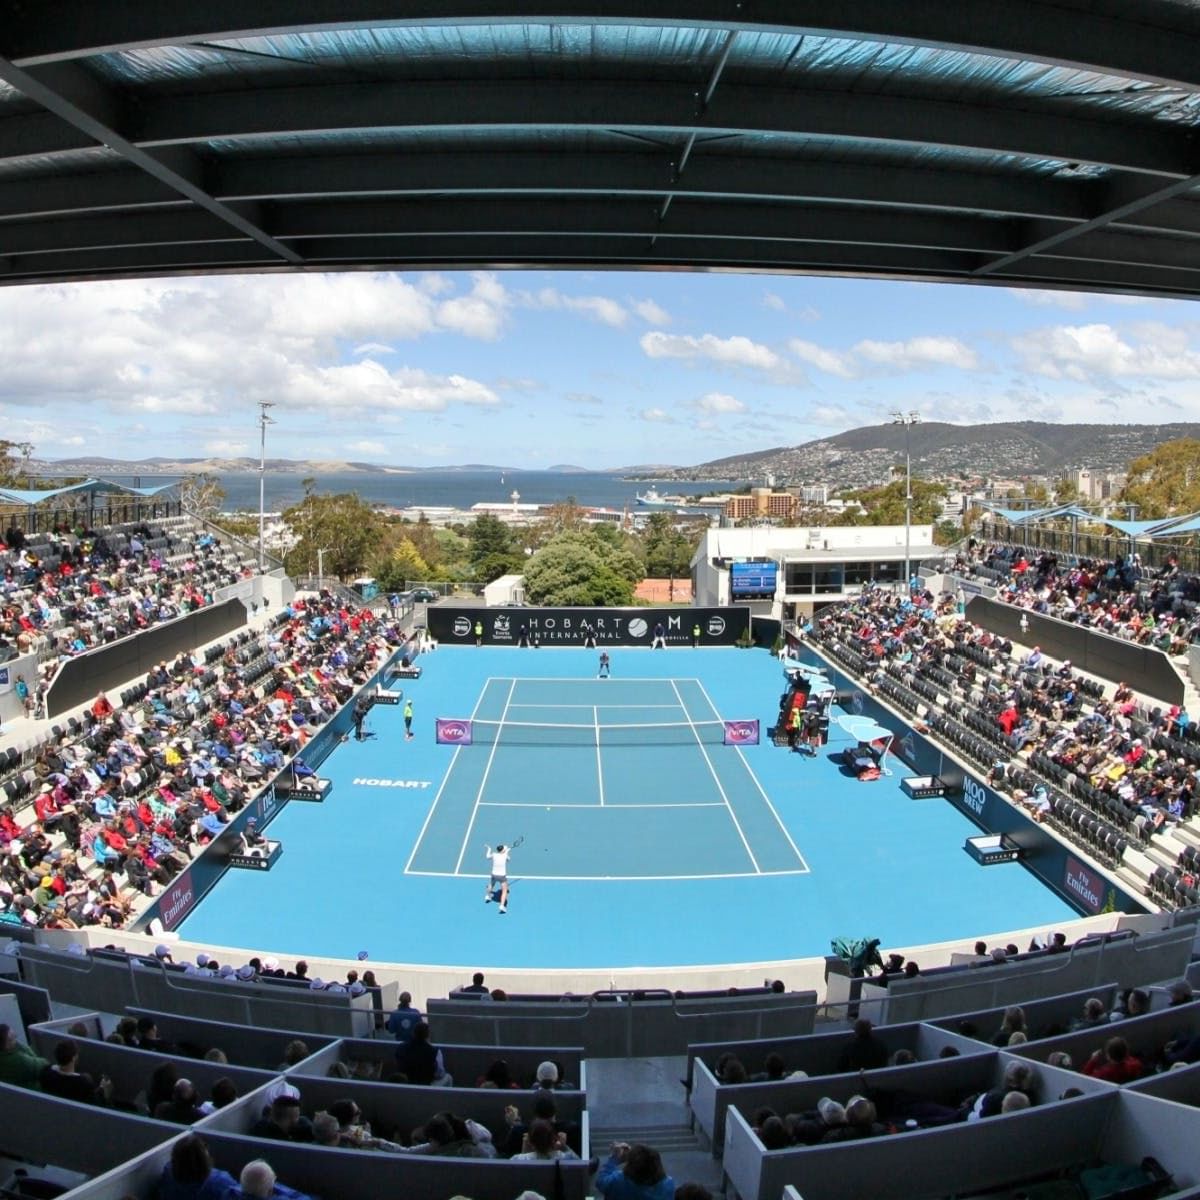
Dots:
pixel 227 449
pixel 774 302
pixel 651 313
pixel 481 313
pixel 1100 352
pixel 734 351
pixel 920 352
pixel 366 446
pixel 656 415
pixel 366 386
pixel 720 402
pixel 832 362
pixel 184 405
pixel 372 348
pixel 435 284
pixel 1039 298
pixel 598 308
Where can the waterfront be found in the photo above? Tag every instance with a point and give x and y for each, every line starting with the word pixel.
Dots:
pixel 449 489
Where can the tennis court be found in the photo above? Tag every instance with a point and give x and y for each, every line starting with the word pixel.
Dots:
pixel 568 764
pixel 662 846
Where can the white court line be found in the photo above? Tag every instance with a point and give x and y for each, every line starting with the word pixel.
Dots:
pixel 591 706
pixel 761 790
pixel 613 878
pixel 483 782
pixel 442 787
pixel 577 807
pixel 716 779
pixel 599 760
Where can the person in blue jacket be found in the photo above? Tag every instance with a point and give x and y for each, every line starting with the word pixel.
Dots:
pixel 190 1175
pixel 634 1173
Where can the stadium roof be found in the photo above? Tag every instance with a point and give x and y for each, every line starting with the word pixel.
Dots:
pixel 983 141
pixel 30 496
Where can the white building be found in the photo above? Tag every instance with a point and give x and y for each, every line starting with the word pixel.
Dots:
pixel 811 567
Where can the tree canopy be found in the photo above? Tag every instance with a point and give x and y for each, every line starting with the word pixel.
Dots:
pixel 1166 481
pixel 668 552
pixel 349 531
pixel 494 551
pixel 581 569
pixel 885 505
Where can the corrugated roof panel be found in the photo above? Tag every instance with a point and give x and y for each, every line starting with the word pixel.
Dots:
pixel 36 166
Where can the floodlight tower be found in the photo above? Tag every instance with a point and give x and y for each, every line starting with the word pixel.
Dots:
pixel 908 420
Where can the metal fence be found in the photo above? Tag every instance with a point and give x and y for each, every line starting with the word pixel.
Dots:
pixel 1092 545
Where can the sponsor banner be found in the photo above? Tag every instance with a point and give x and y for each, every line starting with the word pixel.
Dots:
pixel 359 781
pixel 975 795
pixel 177 901
pixel 267 804
pixel 1085 886
pixel 741 733
pixel 580 626
pixel 451 732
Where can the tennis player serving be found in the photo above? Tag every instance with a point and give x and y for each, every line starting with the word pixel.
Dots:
pixel 499 879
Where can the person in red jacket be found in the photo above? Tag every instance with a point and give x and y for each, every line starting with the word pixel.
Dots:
pixel 1115 1063
pixel 101 707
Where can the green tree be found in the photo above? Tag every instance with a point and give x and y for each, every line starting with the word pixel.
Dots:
pixel 668 552
pixel 14 463
pixel 1066 491
pixel 568 570
pixel 202 494
pixel 1166 481
pixel 493 550
pixel 404 563
pixel 885 505
pixel 350 532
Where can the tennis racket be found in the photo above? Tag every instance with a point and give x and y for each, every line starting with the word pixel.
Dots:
pixel 518 842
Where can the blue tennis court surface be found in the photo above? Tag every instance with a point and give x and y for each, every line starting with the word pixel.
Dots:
pixel 647 841
pixel 572 764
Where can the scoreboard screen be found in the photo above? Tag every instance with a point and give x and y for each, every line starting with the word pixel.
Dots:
pixel 753 578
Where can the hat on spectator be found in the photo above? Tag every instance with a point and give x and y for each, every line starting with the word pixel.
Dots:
pixel 357 989
pixel 246 971
pixel 225 971
pixel 547 1072
pixel 161 951
pixel 47 881
pixel 202 959
pixel 270 964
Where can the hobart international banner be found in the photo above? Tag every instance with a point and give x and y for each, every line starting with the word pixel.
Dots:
pixel 577 626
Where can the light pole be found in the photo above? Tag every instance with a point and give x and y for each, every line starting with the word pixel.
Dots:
pixel 908 420
pixel 263 421
pixel 321 567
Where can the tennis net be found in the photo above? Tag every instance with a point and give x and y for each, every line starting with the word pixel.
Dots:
pixel 544 733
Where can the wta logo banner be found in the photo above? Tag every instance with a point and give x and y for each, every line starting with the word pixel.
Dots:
pixel 741 733
pixel 450 732
pixel 1084 884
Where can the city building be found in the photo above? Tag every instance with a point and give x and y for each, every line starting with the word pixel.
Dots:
pixel 792 572
pixel 761 502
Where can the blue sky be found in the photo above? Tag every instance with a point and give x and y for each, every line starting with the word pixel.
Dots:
pixel 530 369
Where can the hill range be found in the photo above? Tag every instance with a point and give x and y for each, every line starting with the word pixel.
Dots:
pixel 856 457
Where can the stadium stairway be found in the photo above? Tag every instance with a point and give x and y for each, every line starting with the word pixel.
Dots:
pixel 642 1100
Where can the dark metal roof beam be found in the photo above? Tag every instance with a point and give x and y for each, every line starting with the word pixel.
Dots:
pixel 711 176
pixel 1075 36
pixel 80 101
pixel 665 109
pixel 613 217
pixel 1129 208
pixel 84 192
pixel 714 77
